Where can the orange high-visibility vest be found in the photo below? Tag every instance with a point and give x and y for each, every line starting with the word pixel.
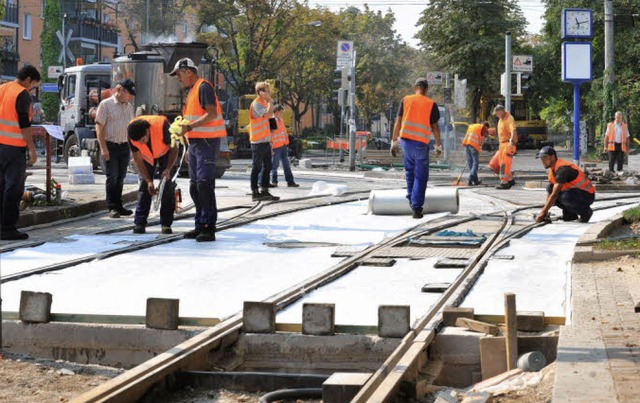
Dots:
pixel 474 136
pixel 258 125
pixel 193 110
pixel 416 116
pixel 611 137
pixel 279 137
pixel 156 137
pixel 10 133
pixel 580 182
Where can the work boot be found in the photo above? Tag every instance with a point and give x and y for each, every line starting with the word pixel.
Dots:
pixel 166 230
pixel 206 235
pixel 586 216
pixel 139 229
pixel 417 213
pixel 114 213
pixel 273 185
pixel 265 195
pixel 255 195
pixel 504 186
pixel 293 185
pixel 512 182
pixel 124 211
pixel 193 234
pixel 13 235
pixel 569 216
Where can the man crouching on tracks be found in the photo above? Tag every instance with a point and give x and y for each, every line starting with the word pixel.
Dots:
pixel 204 131
pixel 417 124
pixel 150 143
pixel 569 188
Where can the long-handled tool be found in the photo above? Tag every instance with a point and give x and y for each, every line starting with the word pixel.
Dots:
pixel 457 181
pixel 158 197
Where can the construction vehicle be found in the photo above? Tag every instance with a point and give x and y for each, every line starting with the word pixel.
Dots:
pixel 532 131
pixel 240 128
pixel 83 87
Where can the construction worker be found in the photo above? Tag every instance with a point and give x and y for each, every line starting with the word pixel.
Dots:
pixel 616 142
pixel 502 161
pixel 150 143
pixel 280 150
pixel 416 124
pixel 260 136
pixel 204 130
pixel 568 188
pixel 472 143
pixel 113 116
pixel 15 141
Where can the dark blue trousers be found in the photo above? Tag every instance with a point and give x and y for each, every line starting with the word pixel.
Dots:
pixel 116 171
pixel 415 156
pixel 13 166
pixel 203 155
pixel 261 159
pixel 473 158
pixel 281 154
pixel 573 201
pixel 168 201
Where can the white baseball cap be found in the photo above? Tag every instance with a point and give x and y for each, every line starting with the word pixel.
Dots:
pixel 184 63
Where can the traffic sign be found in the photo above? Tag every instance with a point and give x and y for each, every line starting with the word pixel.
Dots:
pixel 344 54
pixel 522 63
pixel 54 71
pixel 434 77
pixel 48 87
pixel 64 41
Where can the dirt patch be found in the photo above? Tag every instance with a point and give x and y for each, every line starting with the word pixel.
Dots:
pixel 24 379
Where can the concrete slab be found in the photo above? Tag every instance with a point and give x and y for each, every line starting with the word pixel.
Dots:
pixel 318 319
pixel 394 320
pixel 162 313
pixel 259 317
pixel 343 386
pixel 35 307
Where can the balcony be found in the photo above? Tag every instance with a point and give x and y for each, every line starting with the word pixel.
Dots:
pixel 94 33
pixel 10 17
pixel 9 63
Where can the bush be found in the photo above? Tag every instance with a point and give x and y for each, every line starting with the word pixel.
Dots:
pixel 632 215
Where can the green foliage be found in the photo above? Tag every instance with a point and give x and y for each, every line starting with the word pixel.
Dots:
pixel 632 215
pixel 626 244
pixel 50 50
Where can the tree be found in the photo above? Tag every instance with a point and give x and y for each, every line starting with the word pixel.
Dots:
pixel 51 48
pixel 467 37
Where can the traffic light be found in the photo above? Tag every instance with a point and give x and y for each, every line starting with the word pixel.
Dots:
pixel 448 98
pixel 341 77
pixel 339 96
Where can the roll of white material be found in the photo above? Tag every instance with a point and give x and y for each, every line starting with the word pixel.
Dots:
pixel 394 202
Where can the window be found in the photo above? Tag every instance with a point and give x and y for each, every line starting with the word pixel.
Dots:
pixel 26 26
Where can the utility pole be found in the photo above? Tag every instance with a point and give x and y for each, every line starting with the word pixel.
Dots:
pixel 507 71
pixel 609 63
pixel 352 117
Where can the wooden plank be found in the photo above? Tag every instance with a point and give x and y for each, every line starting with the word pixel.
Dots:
pixel 378 262
pixel 436 287
pixel 477 326
pixel 448 263
pixel 511 334
pixel 114 319
pixel 344 329
pixel 548 320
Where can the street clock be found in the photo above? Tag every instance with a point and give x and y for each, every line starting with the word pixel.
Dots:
pixel 577 23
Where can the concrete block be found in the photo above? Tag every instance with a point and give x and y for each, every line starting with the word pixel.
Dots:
pixel 305 163
pixel 530 321
pixel 35 307
pixel 393 320
pixel 318 319
pixel 493 356
pixel 131 178
pixel 259 317
pixel 454 345
pixel 450 314
pixel 162 313
pixel 82 179
pixel 343 386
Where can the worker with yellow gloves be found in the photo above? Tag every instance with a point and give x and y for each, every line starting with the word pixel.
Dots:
pixel 176 130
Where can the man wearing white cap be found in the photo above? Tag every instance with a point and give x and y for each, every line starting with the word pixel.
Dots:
pixel 206 127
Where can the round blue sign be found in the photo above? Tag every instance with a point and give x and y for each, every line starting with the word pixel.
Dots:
pixel 345 47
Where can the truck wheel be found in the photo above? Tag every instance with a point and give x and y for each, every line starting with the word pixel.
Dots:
pixel 71 148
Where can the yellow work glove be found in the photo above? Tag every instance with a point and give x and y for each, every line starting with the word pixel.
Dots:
pixel 176 130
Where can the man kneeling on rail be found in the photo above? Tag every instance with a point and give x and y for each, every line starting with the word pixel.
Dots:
pixel 568 188
pixel 150 143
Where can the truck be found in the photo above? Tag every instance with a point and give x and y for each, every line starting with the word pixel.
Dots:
pixel 83 87
pixel 240 128
pixel 532 131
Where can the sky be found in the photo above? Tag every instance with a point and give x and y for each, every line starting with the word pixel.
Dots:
pixel 408 12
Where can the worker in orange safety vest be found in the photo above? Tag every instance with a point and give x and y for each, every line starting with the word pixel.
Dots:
pixel 260 112
pixel 568 188
pixel 616 142
pixel 472 143
pixel 150 142
pixel 502 160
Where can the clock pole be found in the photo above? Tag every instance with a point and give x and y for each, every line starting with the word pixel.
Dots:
pixel 576 122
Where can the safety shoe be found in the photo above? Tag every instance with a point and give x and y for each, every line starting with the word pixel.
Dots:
pixel 114 214
pixel 13 235
pixel 166 230
pixel 124 211
pixel 139 229
pixel 193 234
pixel 504 186
pixel 512 182
pixel 293 185
pixel 206 235
pixel 265 195
pixel 569 216
pixel 417 213
pixel 587 216
pixel 273 185
pixel 255 195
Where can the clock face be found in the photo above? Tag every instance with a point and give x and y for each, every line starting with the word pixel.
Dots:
pixel 578 23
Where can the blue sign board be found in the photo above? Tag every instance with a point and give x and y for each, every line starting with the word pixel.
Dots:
pixel 46 87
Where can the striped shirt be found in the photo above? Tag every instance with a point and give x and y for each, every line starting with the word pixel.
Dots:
pixel 115 117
